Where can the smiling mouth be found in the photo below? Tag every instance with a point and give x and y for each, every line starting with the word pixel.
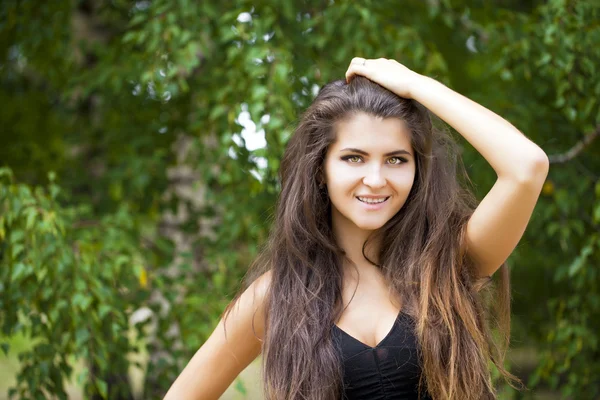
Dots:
pixel 372 201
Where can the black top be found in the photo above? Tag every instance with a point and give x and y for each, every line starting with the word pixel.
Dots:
pixel 388 371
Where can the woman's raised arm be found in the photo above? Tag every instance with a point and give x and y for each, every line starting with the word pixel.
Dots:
pixel 499 221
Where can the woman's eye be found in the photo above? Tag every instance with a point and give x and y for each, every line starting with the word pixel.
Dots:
pixel 352 159
pixel 397 160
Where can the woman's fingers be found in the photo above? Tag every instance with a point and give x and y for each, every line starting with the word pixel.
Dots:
pixel 388 73
pixel 358 66
pixel 358 60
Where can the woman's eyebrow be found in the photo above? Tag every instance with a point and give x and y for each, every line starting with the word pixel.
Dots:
pixel 364 153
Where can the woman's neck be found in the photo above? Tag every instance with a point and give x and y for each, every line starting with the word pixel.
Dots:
pixel 351 239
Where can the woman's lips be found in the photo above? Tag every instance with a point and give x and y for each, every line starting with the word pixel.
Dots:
pixel 373 206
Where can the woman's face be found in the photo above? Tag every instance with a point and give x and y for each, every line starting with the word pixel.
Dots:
pixel 369 171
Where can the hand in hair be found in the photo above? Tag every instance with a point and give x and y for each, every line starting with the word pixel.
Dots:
pixel 386 72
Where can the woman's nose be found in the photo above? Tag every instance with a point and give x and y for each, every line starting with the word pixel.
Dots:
pixel 374 178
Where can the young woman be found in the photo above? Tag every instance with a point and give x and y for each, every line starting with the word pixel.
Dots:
pixel 370 286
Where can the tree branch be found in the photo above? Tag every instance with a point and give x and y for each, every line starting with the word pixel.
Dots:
pixel 576 149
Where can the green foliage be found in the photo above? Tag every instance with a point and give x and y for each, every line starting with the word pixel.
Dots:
pixel 108 93
pixel 68 282
pixel 556 49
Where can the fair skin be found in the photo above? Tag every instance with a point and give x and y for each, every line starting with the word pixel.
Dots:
pixel 371 160
pixel 220 360
pixel 493 231
pixel 521 166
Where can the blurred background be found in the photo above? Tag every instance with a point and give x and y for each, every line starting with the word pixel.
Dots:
pixel 139 149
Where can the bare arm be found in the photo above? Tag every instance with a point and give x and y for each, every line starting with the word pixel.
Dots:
pixel 220 360
pixel 499 221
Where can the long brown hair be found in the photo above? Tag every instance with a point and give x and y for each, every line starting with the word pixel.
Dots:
pixel 422 255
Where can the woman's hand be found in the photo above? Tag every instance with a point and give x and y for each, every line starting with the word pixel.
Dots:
pixel 388 73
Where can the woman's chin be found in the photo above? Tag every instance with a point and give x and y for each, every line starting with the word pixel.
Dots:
pixel 369 225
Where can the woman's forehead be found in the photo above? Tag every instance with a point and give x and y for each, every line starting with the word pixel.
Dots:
pixel 364 130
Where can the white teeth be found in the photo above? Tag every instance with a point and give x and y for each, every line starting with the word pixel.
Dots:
pixel 371 201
